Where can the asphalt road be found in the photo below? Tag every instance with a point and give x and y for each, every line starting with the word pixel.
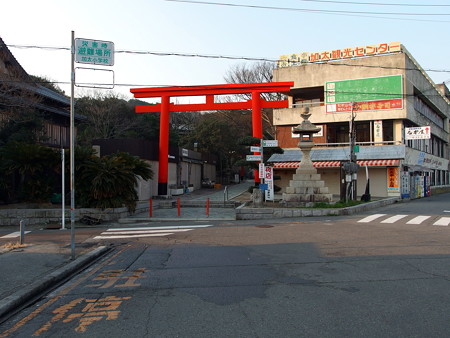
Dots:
pixel 329 277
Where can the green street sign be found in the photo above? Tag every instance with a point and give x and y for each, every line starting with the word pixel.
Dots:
pixel 270 143
pixel 94 52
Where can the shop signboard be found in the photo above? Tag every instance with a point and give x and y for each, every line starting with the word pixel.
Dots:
pixel 368 94
pixel 393 179
pixel 418 133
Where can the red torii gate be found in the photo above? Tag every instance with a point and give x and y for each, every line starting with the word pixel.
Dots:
pixel 256 103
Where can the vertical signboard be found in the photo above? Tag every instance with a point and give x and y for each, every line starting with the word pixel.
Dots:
pixel 393 179
pixel 268 177
pixel 261 170
pixel 378 131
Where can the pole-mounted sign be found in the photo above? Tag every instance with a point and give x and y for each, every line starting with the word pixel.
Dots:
pixel 94 52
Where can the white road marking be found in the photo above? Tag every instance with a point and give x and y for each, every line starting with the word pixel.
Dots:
pixel 133 236
pixel 113 233
pixel 443 221
pixel 14 234
pixel 120 233
pixel 371 218
pixel 418 220
pixel 161 228
pixel 393 219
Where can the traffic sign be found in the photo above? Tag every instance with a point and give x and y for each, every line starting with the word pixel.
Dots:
pixel 94 52
pixel 253 158
pixel 255 149
pixel 270 143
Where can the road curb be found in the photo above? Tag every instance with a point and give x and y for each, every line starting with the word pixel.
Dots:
pixel 173 219
pixel 21 297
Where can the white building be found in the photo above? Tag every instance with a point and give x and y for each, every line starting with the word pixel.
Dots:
pixel 400 118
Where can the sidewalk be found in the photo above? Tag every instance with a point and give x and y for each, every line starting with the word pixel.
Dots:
pixel 220 205
pixel 29 271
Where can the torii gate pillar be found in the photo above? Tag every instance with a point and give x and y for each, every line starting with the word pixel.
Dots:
pixel 165 107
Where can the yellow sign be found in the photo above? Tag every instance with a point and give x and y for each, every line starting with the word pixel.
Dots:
pixel 393 179
pixel 297 59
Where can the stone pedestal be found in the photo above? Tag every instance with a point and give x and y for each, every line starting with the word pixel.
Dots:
pixel 257 197
pixel 306 187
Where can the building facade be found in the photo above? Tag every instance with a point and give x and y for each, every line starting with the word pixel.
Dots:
pixel 19 92
pixel 380 98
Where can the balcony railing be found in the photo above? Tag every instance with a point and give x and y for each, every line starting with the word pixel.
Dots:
pixel 347 144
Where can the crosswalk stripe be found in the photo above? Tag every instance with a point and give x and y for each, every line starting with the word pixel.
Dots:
pixel 14 234
pixel 134 236
pixel 418 220
pixel 443 221
pixel 121 233
pixel 393 219
pixel 161 228
pixel 112 233
pixel 371 218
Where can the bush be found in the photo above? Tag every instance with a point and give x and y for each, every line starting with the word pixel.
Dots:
pixel 110 181
pixel 28 171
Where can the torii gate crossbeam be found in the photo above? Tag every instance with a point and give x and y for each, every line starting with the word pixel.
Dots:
pixel 256 103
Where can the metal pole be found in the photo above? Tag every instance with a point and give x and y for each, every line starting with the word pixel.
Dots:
pixel 263 181
pixel 72 147
pixel 63 192
pixel 22 232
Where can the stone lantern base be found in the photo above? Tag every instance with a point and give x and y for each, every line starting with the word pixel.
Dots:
pixel 306 188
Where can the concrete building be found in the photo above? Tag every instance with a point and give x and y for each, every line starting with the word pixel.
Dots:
pixel 399 117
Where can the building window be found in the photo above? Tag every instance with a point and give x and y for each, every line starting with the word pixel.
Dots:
pixel 388 130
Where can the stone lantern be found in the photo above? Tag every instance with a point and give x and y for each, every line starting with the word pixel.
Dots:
pixel 306 186
pixel 306 130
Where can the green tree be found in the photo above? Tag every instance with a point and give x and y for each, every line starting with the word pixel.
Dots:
pixel 47 83
pixel 35 168
pixel 110 181
pixel 110 117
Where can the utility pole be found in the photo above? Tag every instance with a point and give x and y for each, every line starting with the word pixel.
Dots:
pixel 72 147
pixel 351 167
pixel 354 165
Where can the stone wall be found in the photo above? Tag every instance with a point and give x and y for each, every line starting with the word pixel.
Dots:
pixel 53 216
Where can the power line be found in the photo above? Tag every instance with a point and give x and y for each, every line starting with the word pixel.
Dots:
pixel 208 56
pixel 323 11
pixel 375 3
pixel 212 56
pixel 404 95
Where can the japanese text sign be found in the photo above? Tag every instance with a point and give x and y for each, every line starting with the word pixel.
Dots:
pixel 94 52
pixel 417 133
pixel 297 59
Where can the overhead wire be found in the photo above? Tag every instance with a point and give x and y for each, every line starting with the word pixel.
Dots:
pixel 377 15
pixel 376 3
pixel 215 56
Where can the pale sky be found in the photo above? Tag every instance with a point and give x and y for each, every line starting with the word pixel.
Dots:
pixel 216 30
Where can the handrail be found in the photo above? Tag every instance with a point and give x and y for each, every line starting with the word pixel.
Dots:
pixel 225 193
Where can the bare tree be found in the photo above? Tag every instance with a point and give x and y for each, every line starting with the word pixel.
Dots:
pixel 255 73
pixel 108 116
